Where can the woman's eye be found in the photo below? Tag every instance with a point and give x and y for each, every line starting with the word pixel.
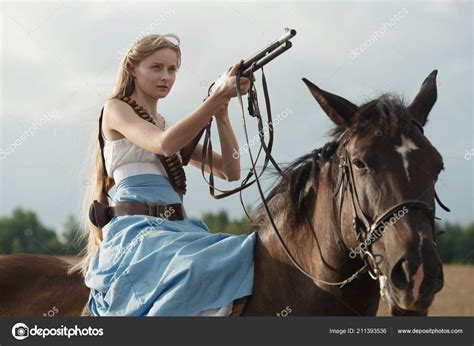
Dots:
pixel 359 164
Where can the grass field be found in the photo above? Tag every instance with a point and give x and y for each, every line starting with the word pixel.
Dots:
pixel 455 299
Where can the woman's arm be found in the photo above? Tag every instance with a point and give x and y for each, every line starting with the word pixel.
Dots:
pixel 183 131
pixel 229 146
pixel 225 166
pixel 196 161
pixel 120 117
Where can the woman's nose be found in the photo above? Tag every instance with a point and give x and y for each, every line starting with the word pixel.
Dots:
pixel 164 75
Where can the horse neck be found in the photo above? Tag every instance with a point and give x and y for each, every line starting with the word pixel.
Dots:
pixel 279 285
pixel 333 263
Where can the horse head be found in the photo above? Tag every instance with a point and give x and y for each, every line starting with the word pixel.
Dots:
pixel 383 173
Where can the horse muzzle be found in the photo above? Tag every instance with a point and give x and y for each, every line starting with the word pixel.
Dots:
pixel 412 285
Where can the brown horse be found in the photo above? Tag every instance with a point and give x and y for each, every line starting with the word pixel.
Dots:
pixel 357 215
pixel 378 166
pixel 38 285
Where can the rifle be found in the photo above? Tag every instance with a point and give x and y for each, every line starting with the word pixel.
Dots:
pixel 263 57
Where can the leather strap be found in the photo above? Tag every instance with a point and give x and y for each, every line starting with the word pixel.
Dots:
pixel 254 111
pixel 100 214
pixel 101 142
pixel 187 151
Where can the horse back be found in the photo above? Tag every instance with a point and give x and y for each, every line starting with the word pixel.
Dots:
pixel 39 285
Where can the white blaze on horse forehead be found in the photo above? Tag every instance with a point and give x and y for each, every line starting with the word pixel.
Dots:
pixel 405 147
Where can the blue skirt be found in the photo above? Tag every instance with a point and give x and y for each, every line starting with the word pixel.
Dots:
pixel 149 266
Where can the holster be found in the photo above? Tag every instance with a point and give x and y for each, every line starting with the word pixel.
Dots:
pixel 99 214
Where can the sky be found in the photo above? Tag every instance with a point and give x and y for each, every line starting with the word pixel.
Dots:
pixel 59 61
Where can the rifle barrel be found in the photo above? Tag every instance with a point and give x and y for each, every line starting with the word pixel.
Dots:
pixel 267 58
pixel 271 47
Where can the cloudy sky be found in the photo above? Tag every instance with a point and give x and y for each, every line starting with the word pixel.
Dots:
pixel 59 62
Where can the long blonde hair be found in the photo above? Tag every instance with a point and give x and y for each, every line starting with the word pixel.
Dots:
pixel 100 183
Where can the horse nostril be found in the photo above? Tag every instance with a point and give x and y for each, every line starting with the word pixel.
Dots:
pixel 400 274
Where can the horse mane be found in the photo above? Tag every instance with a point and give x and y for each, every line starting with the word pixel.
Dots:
pixel 293 196
pixel 386 115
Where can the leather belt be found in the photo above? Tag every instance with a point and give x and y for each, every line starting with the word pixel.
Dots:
pixel 100 214
pixel 170 212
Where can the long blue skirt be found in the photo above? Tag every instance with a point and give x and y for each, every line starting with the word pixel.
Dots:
pixel 149 266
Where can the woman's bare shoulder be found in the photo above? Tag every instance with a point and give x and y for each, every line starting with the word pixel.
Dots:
pixel 115 111
pixel 121 118
pixel 116 107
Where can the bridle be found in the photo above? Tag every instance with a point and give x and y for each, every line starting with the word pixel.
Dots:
pixel 364 228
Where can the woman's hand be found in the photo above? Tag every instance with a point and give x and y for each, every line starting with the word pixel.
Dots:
pixel 227 84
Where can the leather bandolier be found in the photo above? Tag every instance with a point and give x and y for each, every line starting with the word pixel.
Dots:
pixel 172 164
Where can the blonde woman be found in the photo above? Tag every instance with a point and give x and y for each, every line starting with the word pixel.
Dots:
pixel 145 263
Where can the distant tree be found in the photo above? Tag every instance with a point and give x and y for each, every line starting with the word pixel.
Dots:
pixel 73 243
pixel 456 244
pixel 22 232
pixel 220 222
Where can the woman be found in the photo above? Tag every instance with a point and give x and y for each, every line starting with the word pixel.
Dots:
pixel 166 264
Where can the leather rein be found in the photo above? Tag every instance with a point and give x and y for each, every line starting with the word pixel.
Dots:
pixel 254 111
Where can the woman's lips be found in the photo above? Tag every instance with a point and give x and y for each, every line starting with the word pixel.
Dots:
pixel 162 87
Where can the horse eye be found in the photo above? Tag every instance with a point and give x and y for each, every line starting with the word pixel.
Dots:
pixel 359 164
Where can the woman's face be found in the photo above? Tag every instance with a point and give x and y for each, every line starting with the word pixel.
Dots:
pixel 156 74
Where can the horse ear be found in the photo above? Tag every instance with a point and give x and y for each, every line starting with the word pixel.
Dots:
pixel 338 109
pixel 421 106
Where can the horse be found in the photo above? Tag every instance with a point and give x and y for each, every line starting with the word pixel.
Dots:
pixel 39 285
pixel 378 166
pixel 357 214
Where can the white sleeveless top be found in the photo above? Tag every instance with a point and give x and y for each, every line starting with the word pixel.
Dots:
pixel 124 158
